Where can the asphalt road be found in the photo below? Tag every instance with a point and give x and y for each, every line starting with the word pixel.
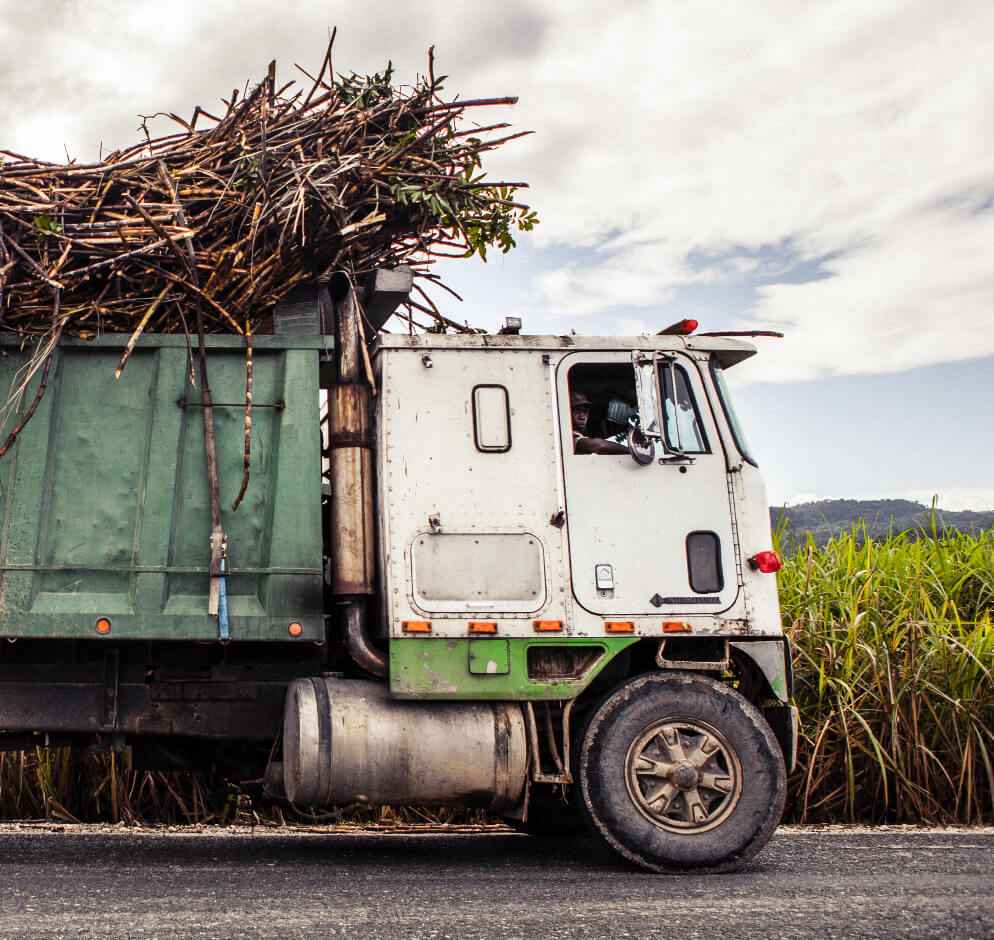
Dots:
pixel 810 884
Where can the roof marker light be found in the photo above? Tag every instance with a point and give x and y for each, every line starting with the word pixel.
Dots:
pixel 676 626
pixel 680 328
pixel 548 626
pixel 766 562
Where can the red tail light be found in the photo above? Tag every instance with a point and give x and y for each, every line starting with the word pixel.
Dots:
pixel 767 562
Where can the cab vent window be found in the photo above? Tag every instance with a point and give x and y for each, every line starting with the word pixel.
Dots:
pixel 684 431
pixel 491 419
pixel 704 562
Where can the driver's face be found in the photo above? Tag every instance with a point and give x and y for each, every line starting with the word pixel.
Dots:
pixel 581 413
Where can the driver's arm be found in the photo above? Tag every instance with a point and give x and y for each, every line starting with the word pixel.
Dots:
pixel 597 445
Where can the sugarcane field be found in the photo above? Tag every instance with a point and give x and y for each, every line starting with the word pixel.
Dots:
pixel 496 472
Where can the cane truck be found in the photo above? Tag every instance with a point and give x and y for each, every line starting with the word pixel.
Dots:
pixel 431 592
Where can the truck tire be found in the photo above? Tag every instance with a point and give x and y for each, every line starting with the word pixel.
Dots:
pixel 679 772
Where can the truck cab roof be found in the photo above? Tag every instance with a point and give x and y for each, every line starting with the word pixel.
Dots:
pixel 728 351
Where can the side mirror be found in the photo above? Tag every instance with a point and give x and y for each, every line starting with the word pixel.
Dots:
pixel 640 448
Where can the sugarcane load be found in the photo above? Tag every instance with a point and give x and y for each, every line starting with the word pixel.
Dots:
pixel 286 186
pixel 270 507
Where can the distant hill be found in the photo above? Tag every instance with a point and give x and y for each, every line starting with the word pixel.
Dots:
pixel 828 517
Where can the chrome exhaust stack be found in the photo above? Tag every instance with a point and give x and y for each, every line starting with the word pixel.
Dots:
pixel 351 525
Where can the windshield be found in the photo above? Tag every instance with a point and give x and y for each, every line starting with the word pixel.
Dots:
pixel 728 408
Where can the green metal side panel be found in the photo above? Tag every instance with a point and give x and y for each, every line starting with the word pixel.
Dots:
pixel 104 496
pixel 430 668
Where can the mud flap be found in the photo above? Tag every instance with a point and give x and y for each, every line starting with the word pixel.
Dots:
pixel 773 659
pixel 785 723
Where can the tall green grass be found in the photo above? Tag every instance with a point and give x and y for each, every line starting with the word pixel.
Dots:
pixel 894 657
pixel 894 664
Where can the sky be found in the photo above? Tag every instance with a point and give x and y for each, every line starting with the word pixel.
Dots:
pixel 822 169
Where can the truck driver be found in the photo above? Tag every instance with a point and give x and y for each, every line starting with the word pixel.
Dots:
pixel 580 404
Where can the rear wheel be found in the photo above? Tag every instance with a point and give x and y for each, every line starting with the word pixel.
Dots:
pixel 680 772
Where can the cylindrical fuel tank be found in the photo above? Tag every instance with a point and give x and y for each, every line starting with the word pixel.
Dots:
pixel 347 741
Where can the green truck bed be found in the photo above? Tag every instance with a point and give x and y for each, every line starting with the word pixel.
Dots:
pixel 104 495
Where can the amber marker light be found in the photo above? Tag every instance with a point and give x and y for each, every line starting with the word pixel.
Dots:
pixel 416 626
pixel 676 626
pixel 619 626
pixel 103 626
pixel 295 629
pixel 548 626
pixel 482 626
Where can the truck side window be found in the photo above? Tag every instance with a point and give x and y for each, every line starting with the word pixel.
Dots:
pixel 601 400
pixel 491 419
pixel 684 431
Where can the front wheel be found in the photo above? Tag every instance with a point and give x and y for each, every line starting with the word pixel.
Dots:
pixel 678 771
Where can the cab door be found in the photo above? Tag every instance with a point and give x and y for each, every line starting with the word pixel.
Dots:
pixel 653 537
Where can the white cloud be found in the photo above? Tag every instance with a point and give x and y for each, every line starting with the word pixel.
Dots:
pixel 858 131
pixel 628 326
pixel 954 499
pixel 854 131
pixel 921 292
pixel 78 72
pixel 615 282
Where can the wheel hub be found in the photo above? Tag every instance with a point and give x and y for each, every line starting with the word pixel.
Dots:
pixel 683 775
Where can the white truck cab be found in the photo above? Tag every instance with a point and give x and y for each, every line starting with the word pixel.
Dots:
pixel 492 509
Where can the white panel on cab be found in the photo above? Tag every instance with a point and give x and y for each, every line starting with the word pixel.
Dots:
pixel 470 486
pixel 478 571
